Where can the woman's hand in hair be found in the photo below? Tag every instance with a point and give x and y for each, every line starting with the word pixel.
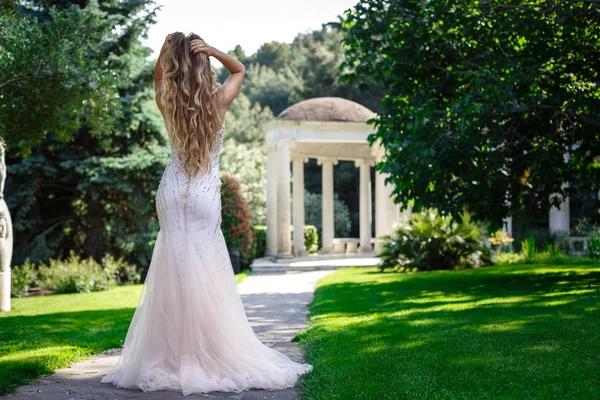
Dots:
pixel 199 45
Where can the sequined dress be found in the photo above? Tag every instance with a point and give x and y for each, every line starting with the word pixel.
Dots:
pixel 190 332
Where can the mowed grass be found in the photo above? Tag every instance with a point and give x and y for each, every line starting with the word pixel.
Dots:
pixel 43 334
pixel 503 332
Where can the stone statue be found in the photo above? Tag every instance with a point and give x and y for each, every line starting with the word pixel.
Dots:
pixel 6 237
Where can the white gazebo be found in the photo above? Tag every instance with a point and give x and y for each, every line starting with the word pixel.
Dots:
pixel 327 129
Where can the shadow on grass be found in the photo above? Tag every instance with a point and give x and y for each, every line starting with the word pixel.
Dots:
pixel 515 333
pixel 31 346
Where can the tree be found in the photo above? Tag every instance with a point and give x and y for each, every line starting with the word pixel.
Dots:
pixel 242 155
pixel 488 104
pixel 96 192
pixel 275 55
pixel 318 57
pixel 50 83
pixel 50 70
pixel 248 164
pixel 274 89
pixel 313 205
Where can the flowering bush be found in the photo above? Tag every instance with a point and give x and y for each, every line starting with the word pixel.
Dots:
pixel 235 218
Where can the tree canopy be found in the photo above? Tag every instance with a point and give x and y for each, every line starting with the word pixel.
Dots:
pixel 488 103
pixel 50 68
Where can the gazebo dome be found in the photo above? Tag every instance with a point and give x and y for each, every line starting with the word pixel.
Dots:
pixel 326 109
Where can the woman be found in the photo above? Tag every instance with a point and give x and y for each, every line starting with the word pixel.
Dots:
pixel 190 332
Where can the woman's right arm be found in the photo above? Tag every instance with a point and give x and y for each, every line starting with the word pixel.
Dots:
pixel 232 85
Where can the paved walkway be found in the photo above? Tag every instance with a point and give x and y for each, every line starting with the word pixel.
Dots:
pixel 276 305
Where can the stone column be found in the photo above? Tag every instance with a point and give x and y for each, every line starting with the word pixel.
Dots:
pixel 365 220
pixel 380 208
pixel 284 242
pixel 270 150
pixel 387 213
pixel 560 221
pixel 298 204
pixel 327 233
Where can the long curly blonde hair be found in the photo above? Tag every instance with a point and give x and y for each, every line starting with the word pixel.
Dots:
pixel 190 100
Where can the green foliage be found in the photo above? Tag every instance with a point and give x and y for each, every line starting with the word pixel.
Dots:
pixel 53 69
pixel 248 164
pixel 483 99
pixel 431 241
pixel 528 247
pixel 126 273
pixel 76 275
pixel 313 208
pixel 236 218
pixel 259 242
pixel 72 275
pixel 594 243
pixel 95 193
pixel 243 120
pixel 274 89
pixel 543 257
pixel 23 277
pixel 509 258
pixel 311 238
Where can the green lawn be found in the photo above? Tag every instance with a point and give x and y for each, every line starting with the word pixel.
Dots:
pixel 43 334
pixel 503 332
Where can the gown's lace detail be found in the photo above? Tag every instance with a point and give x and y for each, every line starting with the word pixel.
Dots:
pixel 190 332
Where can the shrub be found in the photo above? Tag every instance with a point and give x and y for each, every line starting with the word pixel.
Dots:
pixel 259 244
pixel 430 241
pixel 528 247
pixel 76 275
pixel 509 258
pixel 594 243
pixel 126 273
pixel 235 218
pixel 72 275
pixel 23 277
pixel 311 238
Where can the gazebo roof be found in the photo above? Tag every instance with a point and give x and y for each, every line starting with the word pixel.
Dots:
pixel 326 109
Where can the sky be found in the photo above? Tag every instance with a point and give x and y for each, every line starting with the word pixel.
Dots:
pixel 225 23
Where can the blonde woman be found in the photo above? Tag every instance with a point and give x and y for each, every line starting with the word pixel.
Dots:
pixel 190 332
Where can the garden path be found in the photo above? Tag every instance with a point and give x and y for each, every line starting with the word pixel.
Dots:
pixel 276 306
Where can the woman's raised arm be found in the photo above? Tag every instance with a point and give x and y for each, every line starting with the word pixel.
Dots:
pixel 233 83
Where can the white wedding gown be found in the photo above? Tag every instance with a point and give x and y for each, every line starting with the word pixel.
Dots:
pixel 190 332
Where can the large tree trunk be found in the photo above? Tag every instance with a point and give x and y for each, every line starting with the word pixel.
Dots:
pixel 94 240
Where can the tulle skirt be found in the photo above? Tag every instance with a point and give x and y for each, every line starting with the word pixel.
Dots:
pixel 190 332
